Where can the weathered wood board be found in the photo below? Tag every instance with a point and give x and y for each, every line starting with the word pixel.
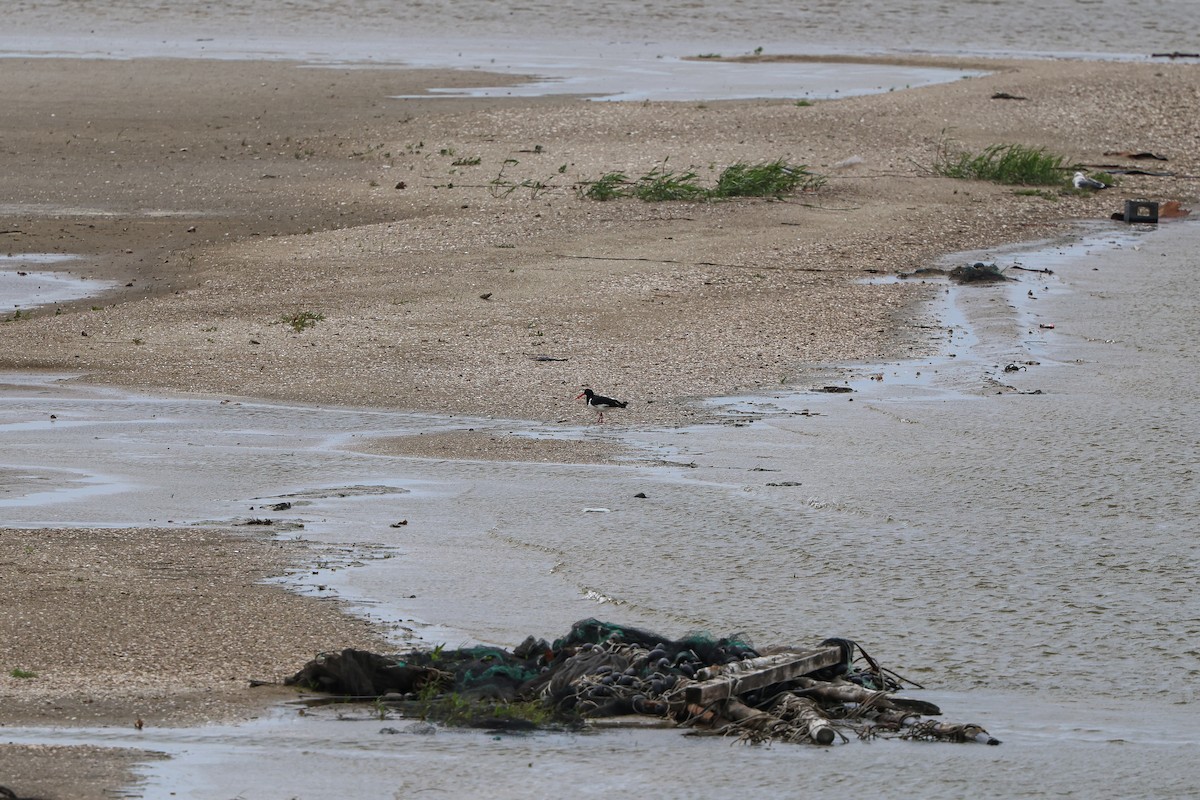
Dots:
pixel 755 673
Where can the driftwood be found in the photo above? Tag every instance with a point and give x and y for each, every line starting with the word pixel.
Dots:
pixel 733 679
pixel 931 730
pixel 813 710
pixel 853 693
pixel 761 726
pixel 805 709
pixel 804 712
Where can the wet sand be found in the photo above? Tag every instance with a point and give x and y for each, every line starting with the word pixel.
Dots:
pixel 224 206
pixel 845 491
pixel 240 202
pixel 146 627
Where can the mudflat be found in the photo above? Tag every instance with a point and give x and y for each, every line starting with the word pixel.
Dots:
pixel 297 234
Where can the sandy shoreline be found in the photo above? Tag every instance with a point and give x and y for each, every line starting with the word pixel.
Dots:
pixel 230 204
pixel 149 627
pixel 657 303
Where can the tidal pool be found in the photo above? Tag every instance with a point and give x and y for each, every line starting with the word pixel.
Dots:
pixel 25 284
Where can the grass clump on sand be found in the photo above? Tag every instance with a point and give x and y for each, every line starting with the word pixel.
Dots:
pixel 661 184
pixel 608 187
pixel 1011 164
pixel 301 320
pixel 769 179
pixel 766 179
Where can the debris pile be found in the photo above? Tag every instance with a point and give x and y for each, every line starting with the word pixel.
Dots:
pixel 978 272
pixel 601 670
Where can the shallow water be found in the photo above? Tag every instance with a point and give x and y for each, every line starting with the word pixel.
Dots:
pixel 355 757
pixel 618 50
pixel 625 75
pixel 1030 558
pixel 360 30
pixel 24 285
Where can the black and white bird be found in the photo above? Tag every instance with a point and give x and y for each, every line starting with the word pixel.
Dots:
pixel 601 403
pixel 1082 181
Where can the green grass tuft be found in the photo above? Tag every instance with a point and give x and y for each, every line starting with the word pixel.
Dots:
pixel 661 184
pixel 1011 164
pixel 607 187
pixel 302 320
pixel 766 179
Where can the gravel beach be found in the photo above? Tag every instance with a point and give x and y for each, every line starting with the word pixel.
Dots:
pixel 447 263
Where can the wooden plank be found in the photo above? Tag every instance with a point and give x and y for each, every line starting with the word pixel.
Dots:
pixel 852 693
pixel 733 679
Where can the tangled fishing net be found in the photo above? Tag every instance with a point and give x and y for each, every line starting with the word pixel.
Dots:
pixel 601 670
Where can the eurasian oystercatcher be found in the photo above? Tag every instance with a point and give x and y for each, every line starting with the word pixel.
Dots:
pixel 600 403
pixel 1082 181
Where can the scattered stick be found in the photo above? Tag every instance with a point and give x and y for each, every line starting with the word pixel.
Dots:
pixel 761 267
pixel 655 260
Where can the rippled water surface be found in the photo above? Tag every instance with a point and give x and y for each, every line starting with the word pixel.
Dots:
pixel 364 28
pixel 1011 524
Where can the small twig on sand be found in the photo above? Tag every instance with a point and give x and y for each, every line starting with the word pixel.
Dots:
pixel 820 208
pixel 655 260
pixel 761 267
